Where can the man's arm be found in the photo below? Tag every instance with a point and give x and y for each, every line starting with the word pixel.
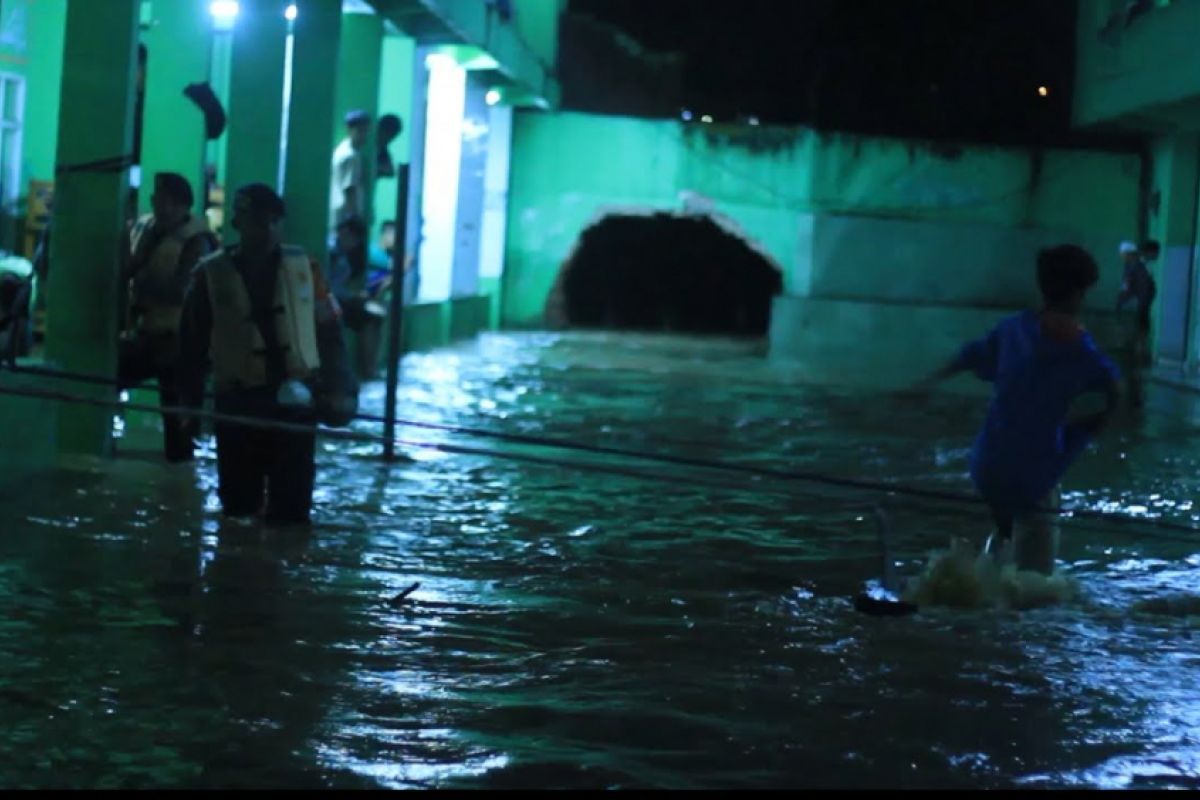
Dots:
pixel 195 250
pixel 350 201
pixel 337 396
pixel 1092 424
pixel 195 332
pixel 1127 290
pixel 947 370
pixel 126 258
pixel 348 180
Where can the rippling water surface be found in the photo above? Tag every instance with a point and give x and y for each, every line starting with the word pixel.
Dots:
pixel 599 622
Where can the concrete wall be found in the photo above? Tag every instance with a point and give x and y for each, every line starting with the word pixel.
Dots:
pixel 526 48
pixel 537 25
pixel 1130 71
pixel 845 216
pixel 943 262
pixel 882 346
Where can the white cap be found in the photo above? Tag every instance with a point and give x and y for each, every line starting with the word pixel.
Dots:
pixel 1128 247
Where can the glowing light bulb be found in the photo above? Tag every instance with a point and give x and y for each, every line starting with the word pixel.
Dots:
pixel 224 11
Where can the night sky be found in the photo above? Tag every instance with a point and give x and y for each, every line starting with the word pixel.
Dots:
pixel 937 68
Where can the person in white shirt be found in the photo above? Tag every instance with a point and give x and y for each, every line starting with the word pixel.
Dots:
pixel 347 189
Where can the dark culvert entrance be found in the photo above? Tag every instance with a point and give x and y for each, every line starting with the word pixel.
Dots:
pixel 665 272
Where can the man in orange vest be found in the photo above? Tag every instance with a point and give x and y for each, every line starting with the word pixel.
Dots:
pixel 261 316
pixel 163 248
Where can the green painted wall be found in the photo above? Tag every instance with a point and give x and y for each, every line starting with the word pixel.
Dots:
pixel 222 61
pixel 566 169
pixel 1151 63
pixel 358 67
pixel 469 316
pixel 395 97
pixel 179 46
pixel 47 27
pixel 776 185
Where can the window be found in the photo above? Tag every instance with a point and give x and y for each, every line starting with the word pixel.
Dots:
pixel 12 123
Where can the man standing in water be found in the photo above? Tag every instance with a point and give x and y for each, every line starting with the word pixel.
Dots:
pixel 262 314
pixel 1039 362
pixel 1138 285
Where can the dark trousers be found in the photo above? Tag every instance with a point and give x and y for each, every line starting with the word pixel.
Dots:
pixel 255 462
pixel 147 356
pixel 369 329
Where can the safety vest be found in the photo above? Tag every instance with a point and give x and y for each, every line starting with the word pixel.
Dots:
pixel 159 269
pixel 238 350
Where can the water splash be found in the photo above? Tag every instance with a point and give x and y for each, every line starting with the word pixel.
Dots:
pixel 964 578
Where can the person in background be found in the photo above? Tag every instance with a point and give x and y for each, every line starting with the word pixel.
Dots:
pixel 1137 284
pixel 162 249
pixel 347 191
pixel 348 279
pixel 390 127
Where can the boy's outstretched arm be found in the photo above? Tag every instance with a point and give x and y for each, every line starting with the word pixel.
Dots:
pixel 981 357
pixel 948 370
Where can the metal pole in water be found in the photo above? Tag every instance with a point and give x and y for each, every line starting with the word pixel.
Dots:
pixel 396 313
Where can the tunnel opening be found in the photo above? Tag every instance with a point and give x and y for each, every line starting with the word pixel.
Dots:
pixel 665 272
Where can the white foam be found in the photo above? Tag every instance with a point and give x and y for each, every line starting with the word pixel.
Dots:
pixel 966 579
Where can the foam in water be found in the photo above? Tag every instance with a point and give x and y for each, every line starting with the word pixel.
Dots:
pixel 964 578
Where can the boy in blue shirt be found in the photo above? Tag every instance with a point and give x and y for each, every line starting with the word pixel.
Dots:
pixel 1039 362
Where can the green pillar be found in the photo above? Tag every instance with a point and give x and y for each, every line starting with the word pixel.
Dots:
pixel 179 44
pixel 89 207
pixel 359 66
pixel 311 124
pixel 255 100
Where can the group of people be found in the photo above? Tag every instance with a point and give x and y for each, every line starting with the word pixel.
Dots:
pixel 359 273
pixel 265 319
pixel 1039 363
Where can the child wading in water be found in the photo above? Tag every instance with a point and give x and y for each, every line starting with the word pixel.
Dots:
pixel 1039 362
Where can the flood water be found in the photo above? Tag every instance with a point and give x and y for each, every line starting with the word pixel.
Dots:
pixel 595 621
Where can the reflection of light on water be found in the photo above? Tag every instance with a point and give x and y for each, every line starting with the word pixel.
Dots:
pixel 392 775
pixel 426 456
